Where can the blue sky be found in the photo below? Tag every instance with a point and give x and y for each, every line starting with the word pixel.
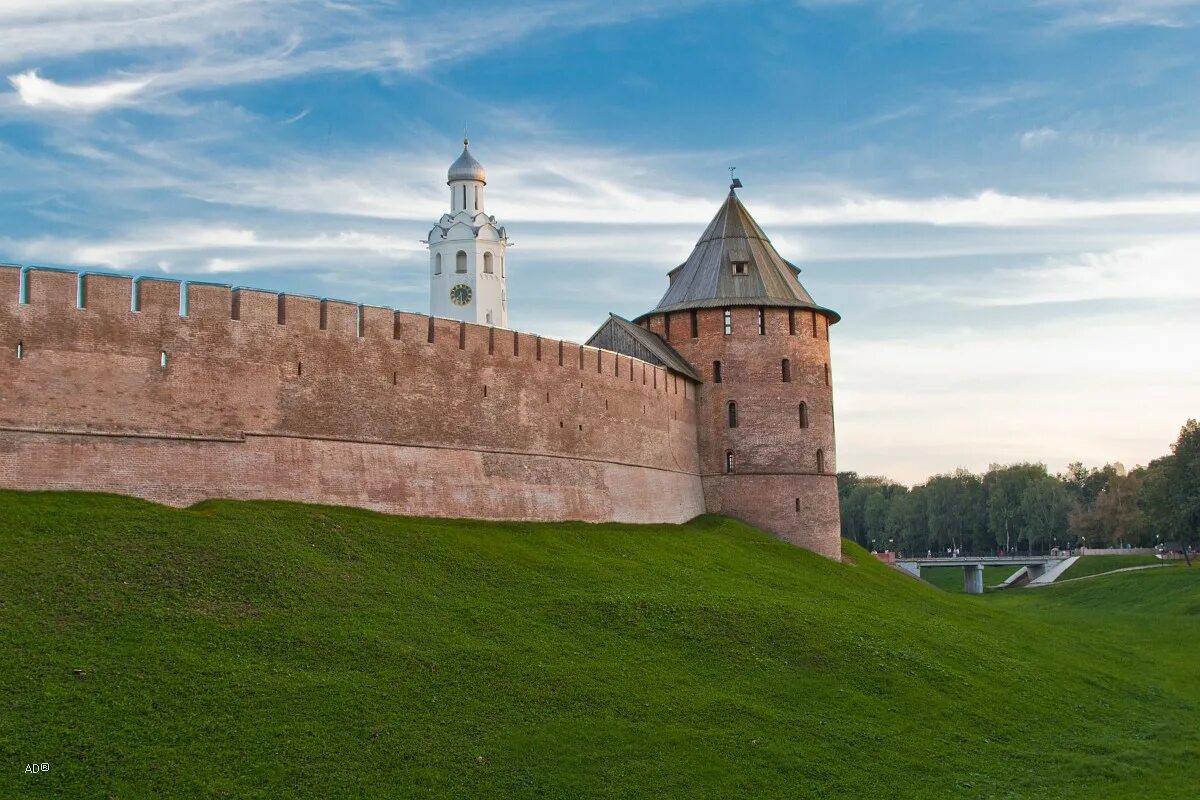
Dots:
pixel 1002 202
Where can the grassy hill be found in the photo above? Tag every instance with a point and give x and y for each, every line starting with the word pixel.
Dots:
pixel 1098 565
pixel 277 650
pixel 950 579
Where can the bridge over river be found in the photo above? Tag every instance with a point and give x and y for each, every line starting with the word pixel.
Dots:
pixel 972 566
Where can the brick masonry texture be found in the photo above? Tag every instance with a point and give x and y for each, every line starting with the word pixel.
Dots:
pixel 776 484
pixel 296 398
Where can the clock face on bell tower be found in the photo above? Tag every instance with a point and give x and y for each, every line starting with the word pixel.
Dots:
pixel 460 294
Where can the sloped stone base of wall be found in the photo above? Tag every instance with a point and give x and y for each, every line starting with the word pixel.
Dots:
pixel 395 479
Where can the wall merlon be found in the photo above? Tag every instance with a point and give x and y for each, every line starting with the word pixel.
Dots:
pixel 256 307
pixel 378 322
pixel 51 288
pixel 209 301
pixel 339 317
pixel 157 296
pixel 10 285
pixel 299 312
pixel 106 294
pixel 445 333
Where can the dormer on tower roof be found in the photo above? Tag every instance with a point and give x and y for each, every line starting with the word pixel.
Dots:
pixel 735 264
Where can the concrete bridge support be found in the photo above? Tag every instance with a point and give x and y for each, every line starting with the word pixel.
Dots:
pixel 973 578
pixel 1035 571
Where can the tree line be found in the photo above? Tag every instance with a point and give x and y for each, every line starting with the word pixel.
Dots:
pixel 1024 507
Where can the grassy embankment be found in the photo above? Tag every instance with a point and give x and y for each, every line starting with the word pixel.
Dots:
pixel 276 650
pixel 1097 565
pixel 950 579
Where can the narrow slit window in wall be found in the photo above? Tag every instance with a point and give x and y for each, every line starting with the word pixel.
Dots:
pixel 787 370
pixel 762 321
pixel 728 321
pixel 814 317
pixel 162 359
pixel 733 415
pixel 695 324
pixel 791 322
pixel 729 461
pixel 718 377
pixel 821 461
pixel 20 350
pixel 804 415
pixel 667 327
pixel 797 505
pixel 299 367
pixel 828 378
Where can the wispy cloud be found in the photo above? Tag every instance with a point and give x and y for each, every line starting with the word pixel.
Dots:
pixel 36 91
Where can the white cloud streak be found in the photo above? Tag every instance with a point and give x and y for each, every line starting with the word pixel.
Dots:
pixel 36 91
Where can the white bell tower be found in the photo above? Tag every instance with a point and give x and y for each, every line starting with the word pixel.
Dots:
pixel 466 252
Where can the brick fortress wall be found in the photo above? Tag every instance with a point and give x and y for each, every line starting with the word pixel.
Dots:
pixel 295 398
pixel 777 483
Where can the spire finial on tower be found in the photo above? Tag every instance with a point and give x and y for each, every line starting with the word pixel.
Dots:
pixel 734 183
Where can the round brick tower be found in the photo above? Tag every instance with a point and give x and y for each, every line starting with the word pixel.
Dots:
pixel 737 312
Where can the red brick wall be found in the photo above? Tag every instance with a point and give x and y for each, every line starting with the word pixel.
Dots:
pixel 325 408
pixel 775 458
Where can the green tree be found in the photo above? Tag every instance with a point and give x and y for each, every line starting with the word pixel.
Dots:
pixel 1005 487
pixel 1044 506
pixel 1171 492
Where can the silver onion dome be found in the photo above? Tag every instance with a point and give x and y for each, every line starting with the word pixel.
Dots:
pixel 466 168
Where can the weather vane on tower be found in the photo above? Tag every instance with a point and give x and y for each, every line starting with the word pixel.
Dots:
pixel 734 183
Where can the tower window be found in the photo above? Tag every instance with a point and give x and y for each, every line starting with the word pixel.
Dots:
pixel 437 264
pixel 762 321
pixel 20 350
pixel 460 261
pixel 733 421
pixel 791 322
pixel 729 461
pixel 717 376
pixel 162 359
pixel 487 263
pixel 695 324
pixel 821 461
pixel 728 321
pixel 828 380
pixel 787 371
pixel 667 327
pixel 804 415
pixel 739 267
pixel 814 315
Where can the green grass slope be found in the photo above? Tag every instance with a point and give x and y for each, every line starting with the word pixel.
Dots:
pixel 274 650
pixel 1098 565
pixel 950 579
